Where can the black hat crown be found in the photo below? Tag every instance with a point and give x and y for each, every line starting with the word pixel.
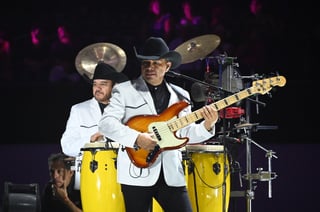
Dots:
pixel 155 48
pixel 106 71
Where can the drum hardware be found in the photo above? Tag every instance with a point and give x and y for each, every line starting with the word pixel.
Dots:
pixel 253 177
pixel 111 144
pixel 245 125
pixel 254 77
pixel 77 170
pixel 261 175
pixel 225 59
pixel 78 162
pixel 216 167
pixel 236 168
pixel 69 162
pixel 246 128
pixel 228 74
pixel 229 139
pixel 93 165
pixel 231 112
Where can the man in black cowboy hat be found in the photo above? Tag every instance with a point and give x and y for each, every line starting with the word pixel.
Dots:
pixel 82 124
pixel 150 164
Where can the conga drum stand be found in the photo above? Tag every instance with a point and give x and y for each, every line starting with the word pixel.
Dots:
pixel 260 175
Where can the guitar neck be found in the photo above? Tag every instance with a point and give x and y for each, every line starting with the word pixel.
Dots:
pixel 181 122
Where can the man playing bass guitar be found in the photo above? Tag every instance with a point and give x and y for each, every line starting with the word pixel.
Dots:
pixel 142 116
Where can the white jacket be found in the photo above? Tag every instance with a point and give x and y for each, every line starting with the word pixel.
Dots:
pixel 81 125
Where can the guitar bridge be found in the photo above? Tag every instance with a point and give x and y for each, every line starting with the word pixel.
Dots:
pixel 152 154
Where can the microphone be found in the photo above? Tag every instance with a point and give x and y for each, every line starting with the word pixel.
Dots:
pixel 173 74
pixel 228 139
pixel 199 92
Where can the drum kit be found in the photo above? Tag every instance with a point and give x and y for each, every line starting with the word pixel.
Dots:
pixel 208 166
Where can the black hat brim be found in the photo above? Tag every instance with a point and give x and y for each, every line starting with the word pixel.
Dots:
pixel 172 56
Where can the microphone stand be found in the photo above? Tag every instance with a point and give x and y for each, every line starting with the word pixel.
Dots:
pixel 174 74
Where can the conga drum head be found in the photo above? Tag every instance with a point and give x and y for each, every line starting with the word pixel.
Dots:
pixel 204 148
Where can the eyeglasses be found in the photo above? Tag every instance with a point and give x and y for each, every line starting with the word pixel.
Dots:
pixel 59 171
pixel 156 63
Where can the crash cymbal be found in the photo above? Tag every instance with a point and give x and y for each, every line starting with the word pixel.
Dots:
pixel 198 47
pixel 245 125
pixel 90 56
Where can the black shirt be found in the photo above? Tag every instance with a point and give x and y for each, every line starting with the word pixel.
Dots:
pixel 160 95
pixel 50 203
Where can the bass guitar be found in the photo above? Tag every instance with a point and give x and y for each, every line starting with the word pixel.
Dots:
pixel 167 123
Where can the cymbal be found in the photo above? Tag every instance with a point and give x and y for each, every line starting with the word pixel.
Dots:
pixel 198 47
pixel 245 125
pixel 91 55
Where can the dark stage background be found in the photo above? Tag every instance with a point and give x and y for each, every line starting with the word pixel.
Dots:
pixel 35 109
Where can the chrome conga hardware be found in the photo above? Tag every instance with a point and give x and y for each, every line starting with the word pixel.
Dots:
pixel 260 175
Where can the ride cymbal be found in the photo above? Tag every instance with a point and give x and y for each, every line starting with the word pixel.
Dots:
pixel 90 56
pixel 198 47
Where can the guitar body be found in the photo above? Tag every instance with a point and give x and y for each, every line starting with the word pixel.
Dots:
pixel 157 124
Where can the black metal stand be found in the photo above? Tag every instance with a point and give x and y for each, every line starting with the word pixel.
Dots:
pixel 260 175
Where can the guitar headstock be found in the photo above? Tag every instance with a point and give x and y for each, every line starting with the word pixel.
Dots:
pixel 265 85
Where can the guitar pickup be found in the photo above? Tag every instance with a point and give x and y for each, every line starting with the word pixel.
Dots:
pixel 157 134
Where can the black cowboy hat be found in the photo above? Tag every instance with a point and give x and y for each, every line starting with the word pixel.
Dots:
pixel 155 48
pixel 106 71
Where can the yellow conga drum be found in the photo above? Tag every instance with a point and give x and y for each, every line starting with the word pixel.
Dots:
pixel 99 189
pixel 155 206
pixel 209 180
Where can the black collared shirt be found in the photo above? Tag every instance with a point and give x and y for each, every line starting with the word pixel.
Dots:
pixel 102 106
pixel 160 95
